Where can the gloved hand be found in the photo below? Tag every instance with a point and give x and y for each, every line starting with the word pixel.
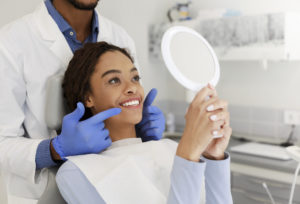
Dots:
pixel 152 125
pixel 83 137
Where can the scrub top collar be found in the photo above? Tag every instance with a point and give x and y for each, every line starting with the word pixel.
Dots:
pixel 64 26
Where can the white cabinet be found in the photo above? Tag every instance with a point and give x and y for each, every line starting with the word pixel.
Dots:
pixel 255 37
pixel 247 188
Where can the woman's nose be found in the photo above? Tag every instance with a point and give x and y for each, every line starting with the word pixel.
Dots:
pixel 130 88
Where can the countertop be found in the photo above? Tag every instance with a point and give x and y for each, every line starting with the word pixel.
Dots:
pixel 288 166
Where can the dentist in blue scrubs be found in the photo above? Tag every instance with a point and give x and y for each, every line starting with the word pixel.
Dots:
pixel 32 49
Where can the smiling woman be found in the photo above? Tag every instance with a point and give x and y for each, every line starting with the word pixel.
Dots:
pixel 102 76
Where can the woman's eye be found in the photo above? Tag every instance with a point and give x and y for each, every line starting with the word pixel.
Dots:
pixel 114 81
pixel 136 78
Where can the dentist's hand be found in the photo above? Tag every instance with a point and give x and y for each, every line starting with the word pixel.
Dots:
pixel 83 137
pixel 152 125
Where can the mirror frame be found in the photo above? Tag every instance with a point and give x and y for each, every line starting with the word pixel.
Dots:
pixel 173 69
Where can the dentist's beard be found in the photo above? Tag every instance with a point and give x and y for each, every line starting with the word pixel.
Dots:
pixel 82 6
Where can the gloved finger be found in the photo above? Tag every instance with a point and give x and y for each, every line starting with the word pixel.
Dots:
pixel 154 134
pixel 149 125
pixel 103 145
pixel 100 117
pixel 151 110
pixel 144 120
pixel 153 117
pixel 101 126
pixel 150 97
pixel 151 113
pixel 104 133
pixel 77 113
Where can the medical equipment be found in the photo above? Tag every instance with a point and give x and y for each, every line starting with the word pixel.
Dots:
pixel 182 9
pixel 294 152
pixel 262 150
pixel 268 192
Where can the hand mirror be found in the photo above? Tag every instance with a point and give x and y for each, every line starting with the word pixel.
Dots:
pixel 189 58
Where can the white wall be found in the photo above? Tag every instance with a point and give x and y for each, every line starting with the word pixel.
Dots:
pixel 13 9
pixel 243 83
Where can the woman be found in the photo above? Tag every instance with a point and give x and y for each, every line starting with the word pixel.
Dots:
pixel 108 79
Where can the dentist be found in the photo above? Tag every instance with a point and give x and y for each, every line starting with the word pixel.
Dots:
pixel 32 49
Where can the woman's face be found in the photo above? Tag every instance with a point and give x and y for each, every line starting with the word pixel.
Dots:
pixel 115 84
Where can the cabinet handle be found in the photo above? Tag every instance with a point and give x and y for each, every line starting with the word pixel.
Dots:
pixel 252 197
pixel 269 183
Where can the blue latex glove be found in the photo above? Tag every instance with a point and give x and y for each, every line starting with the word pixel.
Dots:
pixel 152 125
pixel 83 137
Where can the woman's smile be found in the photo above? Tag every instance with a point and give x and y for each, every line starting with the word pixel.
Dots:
pixel 131 103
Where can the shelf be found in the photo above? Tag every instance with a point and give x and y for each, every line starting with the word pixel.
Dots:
pixel 255 37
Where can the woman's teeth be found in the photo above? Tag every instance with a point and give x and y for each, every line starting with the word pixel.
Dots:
pixel 131 103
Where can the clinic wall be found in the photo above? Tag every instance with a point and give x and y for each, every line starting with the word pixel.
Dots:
pixel 242 83
pixel 13 9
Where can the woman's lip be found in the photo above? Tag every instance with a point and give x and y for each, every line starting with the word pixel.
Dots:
pixel 131 99
pixel 132 107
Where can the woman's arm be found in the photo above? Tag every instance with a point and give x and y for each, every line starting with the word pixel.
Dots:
pixel 187 181
pixel 217 181
pixel 207 116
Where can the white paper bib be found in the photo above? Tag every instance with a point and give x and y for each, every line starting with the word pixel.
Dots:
pixel 131 172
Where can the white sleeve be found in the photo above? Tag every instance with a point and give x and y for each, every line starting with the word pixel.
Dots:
pixel 14 147
pixel 217 181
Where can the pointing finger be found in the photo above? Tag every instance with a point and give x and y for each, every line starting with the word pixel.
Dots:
pixel 100 117
pixel 150 97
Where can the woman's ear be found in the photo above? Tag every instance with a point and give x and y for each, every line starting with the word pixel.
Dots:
pixel 89 102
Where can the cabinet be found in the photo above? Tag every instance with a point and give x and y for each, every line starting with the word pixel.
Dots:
pixel 249 189
pixel 273 36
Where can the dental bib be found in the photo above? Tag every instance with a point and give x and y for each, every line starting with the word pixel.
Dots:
pixel 131 172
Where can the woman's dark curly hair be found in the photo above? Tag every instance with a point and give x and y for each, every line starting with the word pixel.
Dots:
pixel 76 82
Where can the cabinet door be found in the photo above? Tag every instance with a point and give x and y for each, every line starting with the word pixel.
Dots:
pixel 280 191
pixel 243 197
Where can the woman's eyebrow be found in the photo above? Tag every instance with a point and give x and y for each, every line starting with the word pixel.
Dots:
pixel 116 71
pixel 133 69
pixel 110 71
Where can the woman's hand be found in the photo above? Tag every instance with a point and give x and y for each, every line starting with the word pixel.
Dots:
pixel 216 148
pixel 199 128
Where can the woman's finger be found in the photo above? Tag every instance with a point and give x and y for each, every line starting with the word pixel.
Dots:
pixel 219 115
pixel 218 104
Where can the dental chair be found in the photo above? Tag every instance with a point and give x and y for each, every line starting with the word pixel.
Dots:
pixel 55 111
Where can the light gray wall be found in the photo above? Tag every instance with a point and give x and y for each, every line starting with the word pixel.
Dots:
pixel 242 83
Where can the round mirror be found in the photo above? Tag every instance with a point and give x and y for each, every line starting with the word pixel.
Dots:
pixel 189 58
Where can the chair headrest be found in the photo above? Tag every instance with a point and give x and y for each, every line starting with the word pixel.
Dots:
pixel 56 108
